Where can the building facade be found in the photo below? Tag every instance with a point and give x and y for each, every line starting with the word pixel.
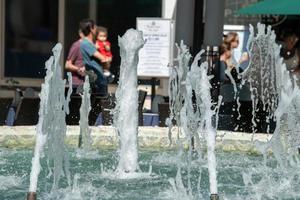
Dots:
pixel 29 29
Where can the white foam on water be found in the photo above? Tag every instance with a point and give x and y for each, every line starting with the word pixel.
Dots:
pixel 84 154
pixel 173 159
pixel 81 191
pixel 10 182
pixel 165 158
pixel 2 161
pixel 119 175
pixel 178 191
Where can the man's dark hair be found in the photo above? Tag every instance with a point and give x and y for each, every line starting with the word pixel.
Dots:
pixel 86 25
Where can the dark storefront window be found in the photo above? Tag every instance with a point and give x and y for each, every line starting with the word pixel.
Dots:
pixel 118 16
pixel 75 11
pixel 30 34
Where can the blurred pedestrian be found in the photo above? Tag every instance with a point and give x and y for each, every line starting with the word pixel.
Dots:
pixel 91 57
pixel 232 39
pixel 290 52
pixel 74 64
pixel 227 68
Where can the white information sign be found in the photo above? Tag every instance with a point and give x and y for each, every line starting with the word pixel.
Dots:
pixel 155 56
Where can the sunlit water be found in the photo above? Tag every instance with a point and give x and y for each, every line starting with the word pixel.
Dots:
pixel 89 181
pixel 270 85
pixel 166 175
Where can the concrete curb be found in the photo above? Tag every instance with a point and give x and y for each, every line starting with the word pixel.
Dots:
pixel 149 137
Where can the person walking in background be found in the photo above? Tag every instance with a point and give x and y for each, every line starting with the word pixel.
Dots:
pixel 290 52
pixel 104 47
pixel 74 64
pixel 232 40
pixel 91 57
pixel 226 64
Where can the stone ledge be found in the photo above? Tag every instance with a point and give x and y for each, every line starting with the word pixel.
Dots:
pixel 149 137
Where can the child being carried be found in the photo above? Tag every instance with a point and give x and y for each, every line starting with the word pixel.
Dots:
pixel 103 46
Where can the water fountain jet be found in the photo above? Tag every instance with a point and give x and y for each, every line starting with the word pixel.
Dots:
pixel 51 127
pixel 125 118
pixel 85 139
pixel 194 118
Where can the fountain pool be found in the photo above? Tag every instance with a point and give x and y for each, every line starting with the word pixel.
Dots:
pixel 90 181
pixel 180 173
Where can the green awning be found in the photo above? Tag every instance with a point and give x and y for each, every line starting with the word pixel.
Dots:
pixel 272 7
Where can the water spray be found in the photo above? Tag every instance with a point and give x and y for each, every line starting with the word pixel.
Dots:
pixel 127 101
pixel 51 127
pixel 213 32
